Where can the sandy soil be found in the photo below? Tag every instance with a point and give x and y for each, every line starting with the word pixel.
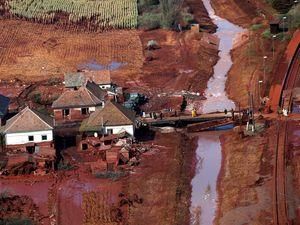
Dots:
pixel 245 191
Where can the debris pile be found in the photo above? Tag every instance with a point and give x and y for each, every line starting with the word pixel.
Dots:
pixel 118 154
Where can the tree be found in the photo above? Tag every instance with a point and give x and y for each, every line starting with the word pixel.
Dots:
pixel 171 10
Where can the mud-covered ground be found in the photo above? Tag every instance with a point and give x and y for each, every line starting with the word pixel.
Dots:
pixel 157 191
pixel 245 181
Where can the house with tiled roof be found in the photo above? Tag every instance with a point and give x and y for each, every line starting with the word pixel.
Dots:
pixel 4 103
pixel 29 131
pixel 74 105
pixel 100 77
pixel 112 119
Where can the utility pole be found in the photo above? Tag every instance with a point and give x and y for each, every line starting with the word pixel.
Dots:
pixel 251 122
pixel 284 18
pixel 264 65
pixel 259 90
pixel 294 16
pixel 273 46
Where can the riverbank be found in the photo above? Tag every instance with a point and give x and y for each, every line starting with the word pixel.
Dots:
pixel 247 69
pixel 244 183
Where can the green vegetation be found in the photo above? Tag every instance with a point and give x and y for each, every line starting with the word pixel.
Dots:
pixel 16 221
pixel 294 16
pixel 102 14
pixel 255 27
pixel 163 14
pixel 281 5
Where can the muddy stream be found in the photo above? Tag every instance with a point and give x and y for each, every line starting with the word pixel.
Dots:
pixel 204 184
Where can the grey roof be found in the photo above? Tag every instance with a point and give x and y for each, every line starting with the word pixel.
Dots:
pixel 96 90
pixel 74 79
pixel 4 103
pixel 28 120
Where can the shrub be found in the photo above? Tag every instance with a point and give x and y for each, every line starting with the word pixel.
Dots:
pixel 37 98
pixel 267 34
pixel 149 21
pixel 294 15
pixel 255 27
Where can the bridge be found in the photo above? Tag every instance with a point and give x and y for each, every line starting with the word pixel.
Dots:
pixel 217 118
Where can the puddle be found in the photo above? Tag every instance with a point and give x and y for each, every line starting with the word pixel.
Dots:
pixel 217 99
pixel 204 192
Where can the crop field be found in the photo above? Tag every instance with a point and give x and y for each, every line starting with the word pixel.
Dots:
pixel 94 14
pixel 31 51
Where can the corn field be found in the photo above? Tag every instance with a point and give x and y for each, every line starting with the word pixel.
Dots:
pixel 98 209
pixel 102 14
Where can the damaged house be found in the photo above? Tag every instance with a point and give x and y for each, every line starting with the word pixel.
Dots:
pixel 76 104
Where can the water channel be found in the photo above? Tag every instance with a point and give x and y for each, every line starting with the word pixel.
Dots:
pixel 209 155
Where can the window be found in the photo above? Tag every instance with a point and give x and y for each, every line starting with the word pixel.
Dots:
pixel 44 137
pixel 31 138
pixel 110 131
pixel 84 111
pixel 66 112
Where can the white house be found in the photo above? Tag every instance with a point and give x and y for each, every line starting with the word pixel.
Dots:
pixel 112 119
pixel 28 129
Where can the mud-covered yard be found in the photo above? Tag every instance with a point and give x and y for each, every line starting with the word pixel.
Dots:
pixel 157 191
